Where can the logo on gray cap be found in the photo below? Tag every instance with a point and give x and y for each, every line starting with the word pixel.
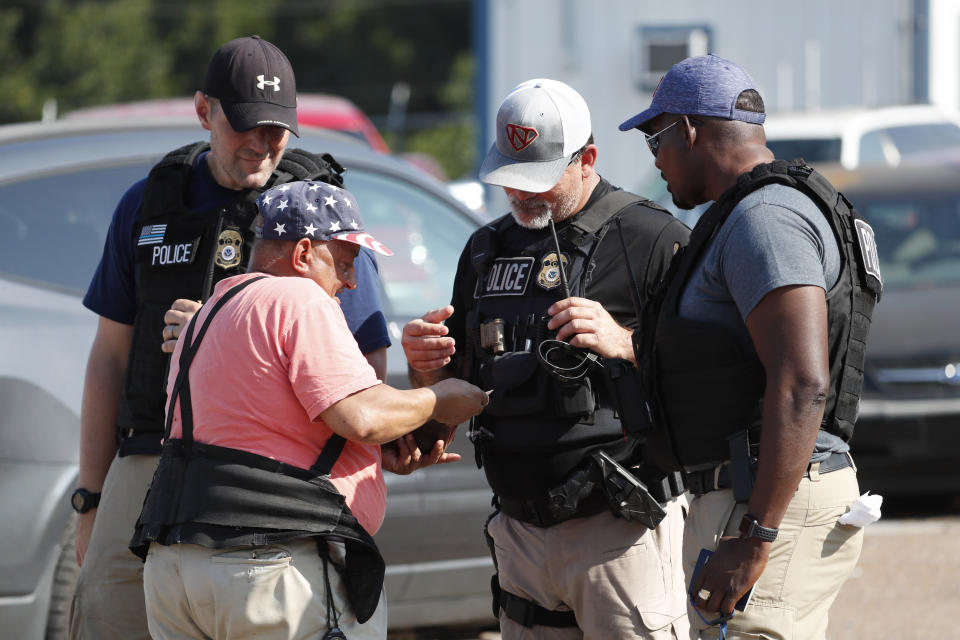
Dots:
pixel 521 137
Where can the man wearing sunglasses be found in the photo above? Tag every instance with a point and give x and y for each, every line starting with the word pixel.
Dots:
pixel 757 357
pixel 570 564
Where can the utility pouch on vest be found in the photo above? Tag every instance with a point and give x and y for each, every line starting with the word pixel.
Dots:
pixel 519 387
pixel 625 386
pixel 573 399
pixel 627 496
pixel 492 336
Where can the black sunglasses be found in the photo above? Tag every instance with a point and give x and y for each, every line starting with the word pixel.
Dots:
pixel 653 140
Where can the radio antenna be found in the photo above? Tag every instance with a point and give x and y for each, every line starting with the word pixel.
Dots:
pixel 563 274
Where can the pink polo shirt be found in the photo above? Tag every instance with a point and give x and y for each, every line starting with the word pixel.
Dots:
pixel 275 357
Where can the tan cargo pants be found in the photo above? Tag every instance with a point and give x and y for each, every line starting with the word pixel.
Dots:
pixel 810 560
pixel 108 601
pixel 619 578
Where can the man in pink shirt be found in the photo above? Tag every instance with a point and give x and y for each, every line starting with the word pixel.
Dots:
pixel 271 466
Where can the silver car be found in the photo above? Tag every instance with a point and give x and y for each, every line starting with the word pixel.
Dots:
pixel 59 184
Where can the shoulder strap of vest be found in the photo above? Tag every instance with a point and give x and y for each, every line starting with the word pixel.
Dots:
pixel 158 196
pixel 181 387
pixel 606 208
pixel 297 164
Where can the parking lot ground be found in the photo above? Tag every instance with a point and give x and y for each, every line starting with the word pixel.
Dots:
pixel 905 586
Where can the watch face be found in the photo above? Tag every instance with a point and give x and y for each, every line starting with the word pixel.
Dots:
pixel 83 500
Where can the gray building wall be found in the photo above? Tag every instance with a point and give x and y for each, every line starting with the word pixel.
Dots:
pixel 815 54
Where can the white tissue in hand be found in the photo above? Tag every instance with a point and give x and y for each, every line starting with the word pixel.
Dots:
pixel 864 511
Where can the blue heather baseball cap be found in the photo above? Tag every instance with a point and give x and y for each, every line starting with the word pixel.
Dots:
pixel 314 210
pixel 700 86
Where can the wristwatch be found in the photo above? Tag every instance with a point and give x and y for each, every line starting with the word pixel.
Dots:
pixel 750 528
pixel 83 500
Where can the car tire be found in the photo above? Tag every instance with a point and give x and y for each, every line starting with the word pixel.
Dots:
pixel 64 582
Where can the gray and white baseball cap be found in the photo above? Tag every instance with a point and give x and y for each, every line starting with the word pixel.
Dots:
pixel 540 125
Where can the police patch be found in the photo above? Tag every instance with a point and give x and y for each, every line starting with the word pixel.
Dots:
pixel 229 249
pixel 507 277
pixel 868 248
pixel 549 276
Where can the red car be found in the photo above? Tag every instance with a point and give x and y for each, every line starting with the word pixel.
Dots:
pixel 313 109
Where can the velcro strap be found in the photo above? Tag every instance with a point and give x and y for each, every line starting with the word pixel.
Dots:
pixel 835 462
pixel 530 614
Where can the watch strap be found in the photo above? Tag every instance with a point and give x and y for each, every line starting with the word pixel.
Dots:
pixel 751 528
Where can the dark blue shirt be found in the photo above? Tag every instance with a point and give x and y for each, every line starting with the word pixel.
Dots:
pixel 112 292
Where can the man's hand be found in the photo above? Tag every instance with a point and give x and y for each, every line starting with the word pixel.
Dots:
pixel 82 538
pixel 591 327
pixel 425 342
pixel 457 401
pixel 175 319
pixel 403 456
pixel 733 568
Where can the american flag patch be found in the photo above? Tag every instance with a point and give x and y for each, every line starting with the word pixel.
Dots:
pixel 152 234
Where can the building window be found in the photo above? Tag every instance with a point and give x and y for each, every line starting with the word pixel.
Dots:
pixel 656 49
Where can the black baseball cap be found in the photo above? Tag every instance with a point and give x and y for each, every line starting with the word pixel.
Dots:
pixel 255 85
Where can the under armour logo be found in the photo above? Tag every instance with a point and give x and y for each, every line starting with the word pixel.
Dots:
pixel 521 137
pixel 261 83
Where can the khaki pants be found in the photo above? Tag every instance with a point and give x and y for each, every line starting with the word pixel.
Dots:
pixel 619 578
pixel 108 601
pixel 810 560
pixel 271 592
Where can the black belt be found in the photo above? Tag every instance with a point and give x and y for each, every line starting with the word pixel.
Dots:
pixel 707 480
pixel 140 443
pixel 537 511
pixel 543 512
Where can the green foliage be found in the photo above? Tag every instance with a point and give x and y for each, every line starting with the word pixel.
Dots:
pixel 89 52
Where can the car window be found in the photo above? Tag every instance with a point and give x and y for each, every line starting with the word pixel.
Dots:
pixel 54 225
pixel 425 233
pixel 872 146
pixel 918 237
pixel 810 149
pixel 924 137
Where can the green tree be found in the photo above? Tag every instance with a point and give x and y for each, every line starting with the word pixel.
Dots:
pixel 88 52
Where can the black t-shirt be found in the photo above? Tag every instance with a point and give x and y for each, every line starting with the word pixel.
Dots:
pixel 652 236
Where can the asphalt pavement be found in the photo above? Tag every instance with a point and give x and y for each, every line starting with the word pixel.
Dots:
pixel 906 584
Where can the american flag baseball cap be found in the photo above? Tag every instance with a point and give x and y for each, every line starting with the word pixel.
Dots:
pixel 314 210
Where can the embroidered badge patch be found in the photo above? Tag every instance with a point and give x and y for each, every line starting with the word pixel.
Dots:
pixel 868 249
pixel 229 249
pixel 549 276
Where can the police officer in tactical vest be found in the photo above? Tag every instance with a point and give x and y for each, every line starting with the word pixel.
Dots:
pixel 585 538
pixel 173 237
pixel 755 361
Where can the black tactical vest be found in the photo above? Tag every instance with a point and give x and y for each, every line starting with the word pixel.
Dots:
pixel 707 388
pixel 220 497
pixel 537 428
pixel 183 254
